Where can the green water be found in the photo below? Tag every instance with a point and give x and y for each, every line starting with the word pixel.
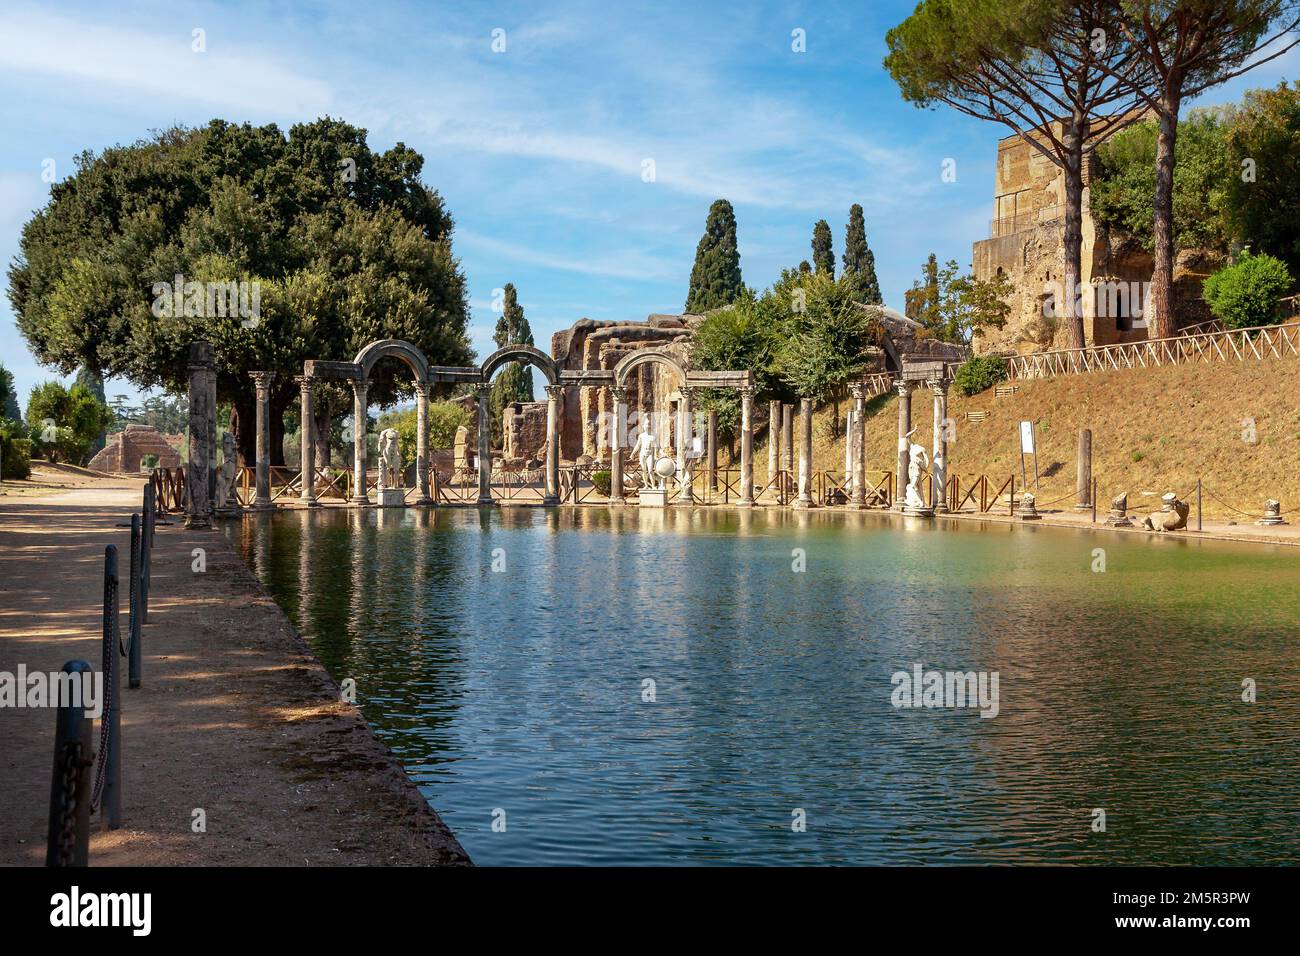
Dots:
pixel 520 695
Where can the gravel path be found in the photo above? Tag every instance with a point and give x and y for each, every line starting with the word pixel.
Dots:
pixel 235 716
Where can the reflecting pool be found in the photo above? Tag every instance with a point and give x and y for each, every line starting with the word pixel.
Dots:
pixel 677 687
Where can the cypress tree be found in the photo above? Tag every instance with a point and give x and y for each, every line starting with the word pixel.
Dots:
pixel 715 278
pixel 515 381
pixel 859 260
pixel 823 256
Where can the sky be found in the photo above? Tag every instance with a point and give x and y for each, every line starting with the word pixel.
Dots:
pixel 540 149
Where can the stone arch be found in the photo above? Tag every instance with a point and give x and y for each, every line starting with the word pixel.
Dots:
pixel 396 348
pixel 520 353
pixel 641 357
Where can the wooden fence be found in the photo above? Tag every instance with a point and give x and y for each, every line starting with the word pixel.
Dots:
pixel 1261 342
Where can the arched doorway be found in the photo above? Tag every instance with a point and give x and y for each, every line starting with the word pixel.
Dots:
pixel 491 365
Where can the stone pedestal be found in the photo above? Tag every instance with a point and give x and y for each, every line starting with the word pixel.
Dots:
pixel 392 498
pixel 654 497
pixel 1027 509
pixel 1272 513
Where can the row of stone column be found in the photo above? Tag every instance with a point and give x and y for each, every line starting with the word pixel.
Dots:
pixel 201 403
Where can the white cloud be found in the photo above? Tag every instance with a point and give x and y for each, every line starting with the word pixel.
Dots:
pixel 615 264
pixel 230 74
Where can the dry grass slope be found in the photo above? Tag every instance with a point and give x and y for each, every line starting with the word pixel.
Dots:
pixel 1153 430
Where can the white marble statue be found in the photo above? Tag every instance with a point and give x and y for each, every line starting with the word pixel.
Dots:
pixel 647 451
pixel 226 474
pixel 390 460
pixel 918 461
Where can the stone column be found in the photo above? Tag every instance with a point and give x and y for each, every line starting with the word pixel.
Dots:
pixel 360 403
pixel 939 459
pixel 422 496
pixel 1083 478
pixel 859 393
pixel 484 391
pixel 306 412
pixel 554 396
pixel 712 450
pixel 262 384
pixel 773 440
pixel 787 437
pixel 805 454
pixel 619 394
pixel 684 442
pixel 904 390
pixel 198 505
pixel 746 446
pixel 212 433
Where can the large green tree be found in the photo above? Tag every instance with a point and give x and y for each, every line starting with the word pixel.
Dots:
pixel 1263 192
pixel 9 396
pixel 823 255
pixel 1186 47
pixel 64 422
pixel 341 245
pixel 1057 72
pixel 715 277
pixel 859 260
pixel 921 302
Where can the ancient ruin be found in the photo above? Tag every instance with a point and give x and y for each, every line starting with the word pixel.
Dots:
pixel 126 451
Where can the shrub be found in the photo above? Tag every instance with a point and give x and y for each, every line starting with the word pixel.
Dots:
pixel 603 482
pixel 980 373
pixel 1246 293
pixel 15 451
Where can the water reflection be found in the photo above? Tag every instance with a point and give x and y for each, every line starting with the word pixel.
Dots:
pixel 506 656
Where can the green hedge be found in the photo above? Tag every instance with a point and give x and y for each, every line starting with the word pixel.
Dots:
pixel 1246 293
pixel 15 450
pixel 980 373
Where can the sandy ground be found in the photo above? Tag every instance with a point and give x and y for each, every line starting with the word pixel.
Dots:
pixel 235 715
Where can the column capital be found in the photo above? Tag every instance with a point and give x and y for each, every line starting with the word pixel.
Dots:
pixel 305 382
pixel 938 385
pixel 903 388
pixel 262 379
pixel 746 391
pixel 360 386
pixel 554 392
pixel 857 390
pixel 482 389
pixel 618 393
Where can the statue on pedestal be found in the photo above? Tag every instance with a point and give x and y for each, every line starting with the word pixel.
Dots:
pixel 225 500
pixel 918 462
pixel 647 451
pixel 390 460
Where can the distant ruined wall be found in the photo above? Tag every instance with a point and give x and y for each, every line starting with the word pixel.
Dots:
pixel 653 387
pixel 125 449
pixel 1026 244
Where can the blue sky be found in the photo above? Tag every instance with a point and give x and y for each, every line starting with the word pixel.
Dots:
pixel 538 150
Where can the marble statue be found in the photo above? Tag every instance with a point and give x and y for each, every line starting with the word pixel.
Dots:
pixel 390 460
pixel 647 451
pixel 226 475
pixel 917 463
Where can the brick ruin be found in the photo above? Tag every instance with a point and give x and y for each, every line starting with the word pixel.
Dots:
pixel 126 449
pixel 1026 244
pixel 652 388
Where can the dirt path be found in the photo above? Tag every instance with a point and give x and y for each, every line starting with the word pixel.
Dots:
pixel 235 715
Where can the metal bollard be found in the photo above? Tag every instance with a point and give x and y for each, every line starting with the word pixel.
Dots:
pixel 136 595
pixel 110 736
pixel 68 841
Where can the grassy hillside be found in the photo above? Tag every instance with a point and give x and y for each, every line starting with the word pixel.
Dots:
pixel 1153 430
